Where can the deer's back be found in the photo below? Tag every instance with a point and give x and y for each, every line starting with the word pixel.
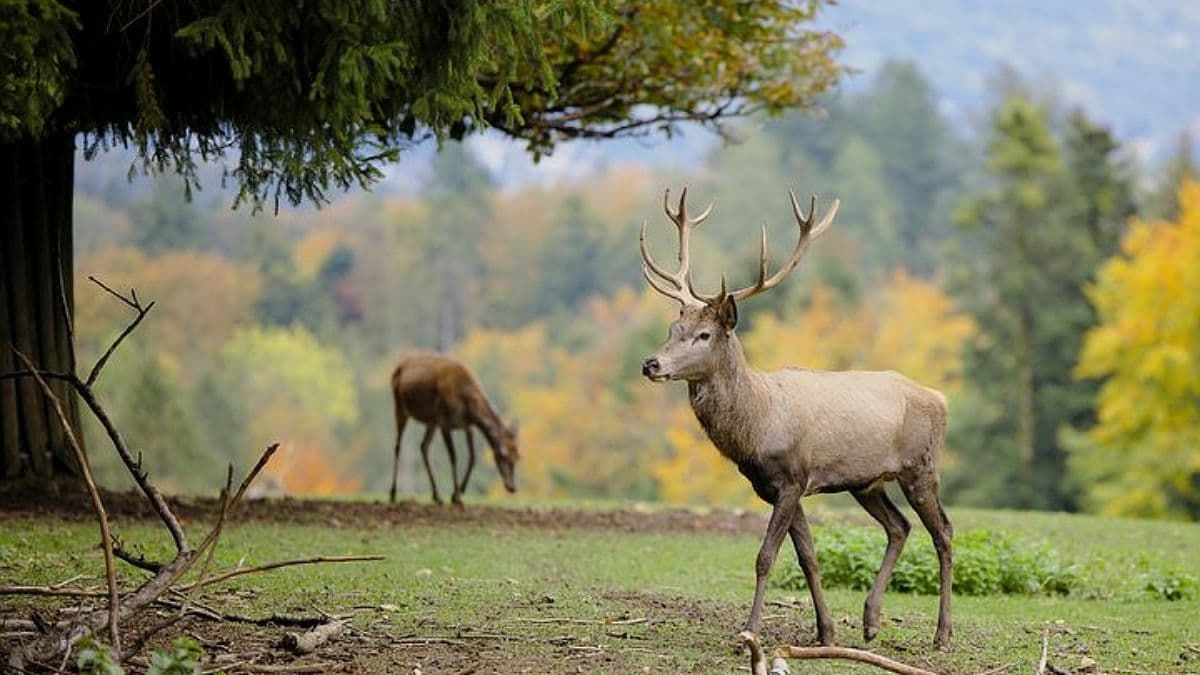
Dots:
pixel 435 389
pixel 854 425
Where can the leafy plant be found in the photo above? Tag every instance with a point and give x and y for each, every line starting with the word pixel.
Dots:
pixel 985 563
pixel 1172 585
pixel 95 658
pixel 183 658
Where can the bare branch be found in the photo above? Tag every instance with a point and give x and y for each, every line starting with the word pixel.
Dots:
pixel 135 469
pixel 275 565
pixel 18 589
pixel 141 314
pixel 850 654
pixel 110 573
pixel 139 561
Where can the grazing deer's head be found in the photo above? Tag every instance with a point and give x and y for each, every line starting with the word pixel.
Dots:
pixel 506 455
pixel 699 340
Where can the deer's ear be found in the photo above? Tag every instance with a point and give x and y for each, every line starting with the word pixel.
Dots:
pixel 727 312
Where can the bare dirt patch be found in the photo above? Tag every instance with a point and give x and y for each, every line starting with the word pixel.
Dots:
pixel 371 515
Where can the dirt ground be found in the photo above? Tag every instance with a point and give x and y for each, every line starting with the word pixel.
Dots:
pixel 659 626
pixel 371 515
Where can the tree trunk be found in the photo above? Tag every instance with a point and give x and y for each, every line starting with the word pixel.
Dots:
pixel 36 270
pixel 1026 422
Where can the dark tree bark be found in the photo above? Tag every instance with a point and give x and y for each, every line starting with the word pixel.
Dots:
pixel 36 271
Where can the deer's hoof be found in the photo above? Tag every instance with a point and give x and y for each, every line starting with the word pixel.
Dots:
pixel 870 630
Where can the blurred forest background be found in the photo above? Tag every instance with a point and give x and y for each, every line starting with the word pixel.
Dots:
pixel 1026 263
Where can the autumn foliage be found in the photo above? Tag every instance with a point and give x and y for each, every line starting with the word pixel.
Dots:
pixel 1143 456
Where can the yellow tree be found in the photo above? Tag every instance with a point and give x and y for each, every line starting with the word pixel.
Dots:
pixel 1143 456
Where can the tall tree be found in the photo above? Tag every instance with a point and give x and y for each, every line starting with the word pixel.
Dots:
pixel 1053 213
pixel 1180 166
pixel 458 194
pixel 922 158
pixel 1010 224
pixel 312 97
pixel 1140 458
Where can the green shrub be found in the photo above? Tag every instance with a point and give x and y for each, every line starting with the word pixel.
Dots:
pixel 182 658
pixel 1171 585
pixel 95 659
pixel 985 563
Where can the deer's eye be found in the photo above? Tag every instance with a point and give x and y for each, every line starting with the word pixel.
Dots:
pixel 704 335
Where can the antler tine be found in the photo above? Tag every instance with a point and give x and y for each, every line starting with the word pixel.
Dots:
pixel 658 286
pixel 648 259
pixel 807 233
pixel 677 285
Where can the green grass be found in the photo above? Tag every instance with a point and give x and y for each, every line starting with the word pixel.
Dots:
pixel 693 590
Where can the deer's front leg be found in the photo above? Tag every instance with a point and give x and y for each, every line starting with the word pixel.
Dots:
pixel 802 540
pixel 470 459
pixel 456 496
pixel 777 528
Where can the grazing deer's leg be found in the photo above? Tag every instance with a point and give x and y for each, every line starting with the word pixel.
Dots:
pixel 456 495
pixel 777 528
pixel 425 456
pixel 470 459
pixel 802 541
pixel 922 494
pixel 882 509
pixel 401 421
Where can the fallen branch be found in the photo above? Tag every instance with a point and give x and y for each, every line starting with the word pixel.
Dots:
pixel 199 609
pixel 275 565
pixel 851 654
pixel 304 643
pixel 601 622
pixel 1041 667
pixel 51 590
pixel 758 660
pixel 318 667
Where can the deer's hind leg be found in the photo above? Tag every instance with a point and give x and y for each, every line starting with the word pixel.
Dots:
pixel 428 438
pixel 922 493
pixel 401 422
pixel 876 503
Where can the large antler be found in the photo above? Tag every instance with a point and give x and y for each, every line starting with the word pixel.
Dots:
pixel 677 285
pixel 808 232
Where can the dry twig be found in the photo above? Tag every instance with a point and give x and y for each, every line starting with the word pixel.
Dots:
pixel 275 565
pixel 1041 667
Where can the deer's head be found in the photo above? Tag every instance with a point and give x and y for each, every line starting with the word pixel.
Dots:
pixel 506 454
pixel 699 340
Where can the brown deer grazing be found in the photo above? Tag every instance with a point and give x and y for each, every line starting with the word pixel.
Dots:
pixel 441 393
pixel 797 432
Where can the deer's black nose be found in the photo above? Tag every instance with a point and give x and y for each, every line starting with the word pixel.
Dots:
pixel 650 367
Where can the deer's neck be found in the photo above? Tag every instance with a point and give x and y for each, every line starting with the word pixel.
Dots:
pixel 488 421
pixel 729 403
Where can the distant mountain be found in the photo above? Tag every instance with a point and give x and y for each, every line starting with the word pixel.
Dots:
pixel 1134 64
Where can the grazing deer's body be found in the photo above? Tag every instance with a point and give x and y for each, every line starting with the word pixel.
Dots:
pixel 441 393
pixel 797 432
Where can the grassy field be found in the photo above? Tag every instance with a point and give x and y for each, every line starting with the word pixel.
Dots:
pixel 561 596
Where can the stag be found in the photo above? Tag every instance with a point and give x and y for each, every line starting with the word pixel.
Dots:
pixel 442 394
pixel 797 432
